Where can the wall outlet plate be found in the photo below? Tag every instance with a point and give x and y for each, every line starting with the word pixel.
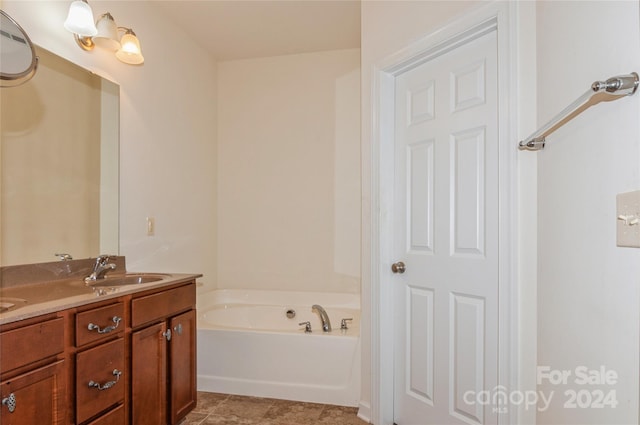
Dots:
pixel 628 219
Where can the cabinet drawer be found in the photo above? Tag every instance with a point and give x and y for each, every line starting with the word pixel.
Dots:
pixel 28 344
pixel 114 417
pixel 100 380
pixel 162 304
pixel 99 323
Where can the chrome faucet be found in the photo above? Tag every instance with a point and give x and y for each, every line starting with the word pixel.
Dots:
pixel 326 323
pixel 64 257
pixel 100 268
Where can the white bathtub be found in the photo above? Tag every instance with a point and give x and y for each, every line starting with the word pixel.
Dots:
pixel 247 346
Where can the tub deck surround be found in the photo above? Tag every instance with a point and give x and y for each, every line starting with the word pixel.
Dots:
pixel 248 346
pixel 273 318
pixel 32 290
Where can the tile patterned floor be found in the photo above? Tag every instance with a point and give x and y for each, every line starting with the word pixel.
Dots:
pixel 214 408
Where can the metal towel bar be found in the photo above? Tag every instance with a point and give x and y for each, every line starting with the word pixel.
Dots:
pixel 622 85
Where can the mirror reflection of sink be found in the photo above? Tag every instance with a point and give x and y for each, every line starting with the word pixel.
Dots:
pixel 7 303
pixel 129 279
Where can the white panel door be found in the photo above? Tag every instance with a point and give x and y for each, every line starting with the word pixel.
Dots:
pixel 446 233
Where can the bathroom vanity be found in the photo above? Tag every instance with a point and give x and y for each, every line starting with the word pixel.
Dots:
pixel 120 351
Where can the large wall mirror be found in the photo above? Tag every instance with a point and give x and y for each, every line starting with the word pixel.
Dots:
pixel 59 151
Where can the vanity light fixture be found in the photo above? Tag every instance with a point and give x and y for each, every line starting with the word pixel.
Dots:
pixel 129 51
pixel 107 36
pixel 104 33
pixel 80 19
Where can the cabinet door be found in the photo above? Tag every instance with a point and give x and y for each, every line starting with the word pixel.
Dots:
pixel 148 376
pixel 182 365
pixel 36 397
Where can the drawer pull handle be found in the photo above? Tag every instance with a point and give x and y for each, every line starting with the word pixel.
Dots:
pixel 108 329
pixel 106 385
pixel 178 329
pixel 10 402
pixel 167 334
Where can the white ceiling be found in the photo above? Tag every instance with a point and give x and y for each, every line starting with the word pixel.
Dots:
pixel 238 29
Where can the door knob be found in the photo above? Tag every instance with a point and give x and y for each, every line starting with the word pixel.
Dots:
pixel 398 267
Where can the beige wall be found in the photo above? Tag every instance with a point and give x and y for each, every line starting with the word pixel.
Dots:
pixel 167 132
pixel 289 172
pixel 588 289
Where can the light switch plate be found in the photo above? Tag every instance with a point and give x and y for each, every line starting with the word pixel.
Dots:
pixel 628 219
pixel 151 226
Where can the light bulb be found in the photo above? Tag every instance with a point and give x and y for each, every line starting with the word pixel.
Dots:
pixel 130 51
pixel 80 19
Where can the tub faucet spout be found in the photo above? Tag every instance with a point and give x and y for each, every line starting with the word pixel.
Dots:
pixel 326 323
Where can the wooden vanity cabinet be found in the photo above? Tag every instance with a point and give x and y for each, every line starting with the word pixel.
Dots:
pixel 163 356
pixel 33 372
pixel 127 360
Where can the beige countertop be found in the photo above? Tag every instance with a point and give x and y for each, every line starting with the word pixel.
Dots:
pixel 19 302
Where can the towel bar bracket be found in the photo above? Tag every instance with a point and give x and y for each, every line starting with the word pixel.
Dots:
pixel 623 85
